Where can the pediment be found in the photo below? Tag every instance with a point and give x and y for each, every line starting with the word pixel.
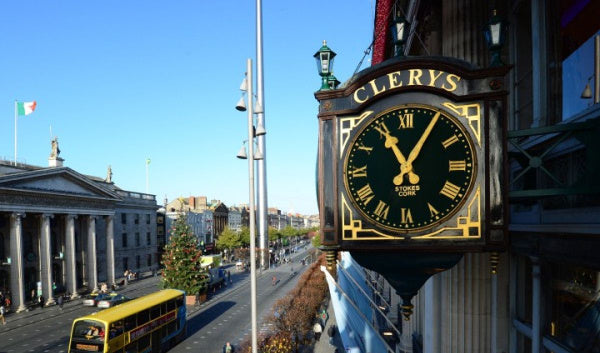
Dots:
pixel 60 181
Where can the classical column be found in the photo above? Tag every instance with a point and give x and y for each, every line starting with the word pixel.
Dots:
pixel 91 253
pixel 70 255
pixel 110 250
pixel 46 258
pixel 17 286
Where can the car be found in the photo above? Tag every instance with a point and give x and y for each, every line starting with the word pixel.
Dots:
pixel 112 300
pixel 90 299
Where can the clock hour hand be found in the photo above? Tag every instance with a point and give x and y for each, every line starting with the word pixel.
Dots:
pixel 405 167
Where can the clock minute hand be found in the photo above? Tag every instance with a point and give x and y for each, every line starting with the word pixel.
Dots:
pixel 417 149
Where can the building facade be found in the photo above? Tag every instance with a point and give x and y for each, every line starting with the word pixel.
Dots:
pixel 544 296
pixel 61 229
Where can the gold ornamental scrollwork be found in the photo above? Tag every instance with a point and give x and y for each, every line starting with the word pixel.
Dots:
pixel 471 112
pixel 347 124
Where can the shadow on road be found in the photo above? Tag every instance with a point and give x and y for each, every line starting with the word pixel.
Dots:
pixel 206 317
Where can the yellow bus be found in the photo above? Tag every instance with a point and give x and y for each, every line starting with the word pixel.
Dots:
pixel 152 323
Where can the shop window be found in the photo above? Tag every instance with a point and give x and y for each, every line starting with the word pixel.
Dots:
pixel 125 264
pixel 575 307
pixel 149 260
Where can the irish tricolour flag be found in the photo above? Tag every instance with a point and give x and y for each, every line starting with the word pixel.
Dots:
pixel 25 108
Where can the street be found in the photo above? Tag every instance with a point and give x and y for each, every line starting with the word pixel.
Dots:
pixel 225 316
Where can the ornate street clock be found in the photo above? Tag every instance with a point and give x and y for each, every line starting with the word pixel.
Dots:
pixel 409 168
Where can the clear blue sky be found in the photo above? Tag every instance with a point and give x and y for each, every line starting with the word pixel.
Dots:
pixel 122 81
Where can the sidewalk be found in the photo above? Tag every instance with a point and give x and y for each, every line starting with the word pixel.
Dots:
pixel 33 312
pixel 322 345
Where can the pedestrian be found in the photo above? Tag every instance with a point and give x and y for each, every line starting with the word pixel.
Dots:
pixel 60 301
pixel 41 301
pixel 317 330
pixel 33 296
pixel 228 348
pixel 331 333
pixel 2 308
pixel 274 280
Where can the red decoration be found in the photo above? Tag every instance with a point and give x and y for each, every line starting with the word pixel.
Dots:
pixel 382 19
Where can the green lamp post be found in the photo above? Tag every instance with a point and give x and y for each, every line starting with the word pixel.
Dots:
pixel 495 35
pixel 324 58
pixel 399 28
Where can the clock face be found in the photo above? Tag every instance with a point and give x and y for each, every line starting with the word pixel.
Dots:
pixel 410 168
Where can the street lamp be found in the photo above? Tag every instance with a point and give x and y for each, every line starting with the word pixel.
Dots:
pixel 324 58
pixel 246 87
pixel 399 29
pixel 495 35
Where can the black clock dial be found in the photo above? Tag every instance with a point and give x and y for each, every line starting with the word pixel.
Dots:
pixel 410 168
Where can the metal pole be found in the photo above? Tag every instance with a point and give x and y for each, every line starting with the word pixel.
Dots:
pixel 263 226
pixel 252 218
pixel 15 132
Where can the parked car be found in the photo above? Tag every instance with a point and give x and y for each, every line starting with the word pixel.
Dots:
pixel 112 300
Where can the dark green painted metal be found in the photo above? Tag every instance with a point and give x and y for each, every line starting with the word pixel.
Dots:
pixel 533 146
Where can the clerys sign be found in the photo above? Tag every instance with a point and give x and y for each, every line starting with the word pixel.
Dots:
pixel 411 156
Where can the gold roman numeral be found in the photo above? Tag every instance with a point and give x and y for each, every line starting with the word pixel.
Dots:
pixel 359 172
pixel 432 211
pixel 360 146
pixel 450 141
pixel 365 194
pixel 382 210
pixel 406 216
pixel 383 130
pixel 457 165
pixel 450 190
pixel 406 121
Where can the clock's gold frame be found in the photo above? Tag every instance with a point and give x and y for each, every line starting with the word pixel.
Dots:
pixel 465 227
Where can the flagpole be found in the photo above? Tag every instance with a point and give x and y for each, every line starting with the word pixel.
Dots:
pixel 15 132
pixel 147 175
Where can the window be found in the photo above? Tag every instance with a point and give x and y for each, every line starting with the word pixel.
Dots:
pixel 155 312
pixel 130 323
pixel 136 220
pixel 143 317
pixel 125 264
pixel 179 301
pixel 124 240
pixel 148 219
pixel 123 218
pixel 149 260
pixel 116 328
pixel 148 239
pixel 171 305
pixel 137 239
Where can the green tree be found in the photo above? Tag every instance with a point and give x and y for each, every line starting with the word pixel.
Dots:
pixel 229 239
pixel 316 240
pixel 181 260
pixel 273 233
pixel 245 236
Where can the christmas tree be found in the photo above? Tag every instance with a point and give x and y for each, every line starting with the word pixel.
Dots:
pixel 181 260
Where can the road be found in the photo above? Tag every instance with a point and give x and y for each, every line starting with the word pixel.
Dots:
pixel 224 317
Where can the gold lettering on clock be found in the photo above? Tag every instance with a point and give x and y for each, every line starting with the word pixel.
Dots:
pixel 382 209
pixel 406 121
pixel 365 194
pixel 432 211
pixel 360 146
pixel 450 141
pixel 450 190
pixel 405 215
pixel 359 172
pixel 457 166
pixel 383 130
